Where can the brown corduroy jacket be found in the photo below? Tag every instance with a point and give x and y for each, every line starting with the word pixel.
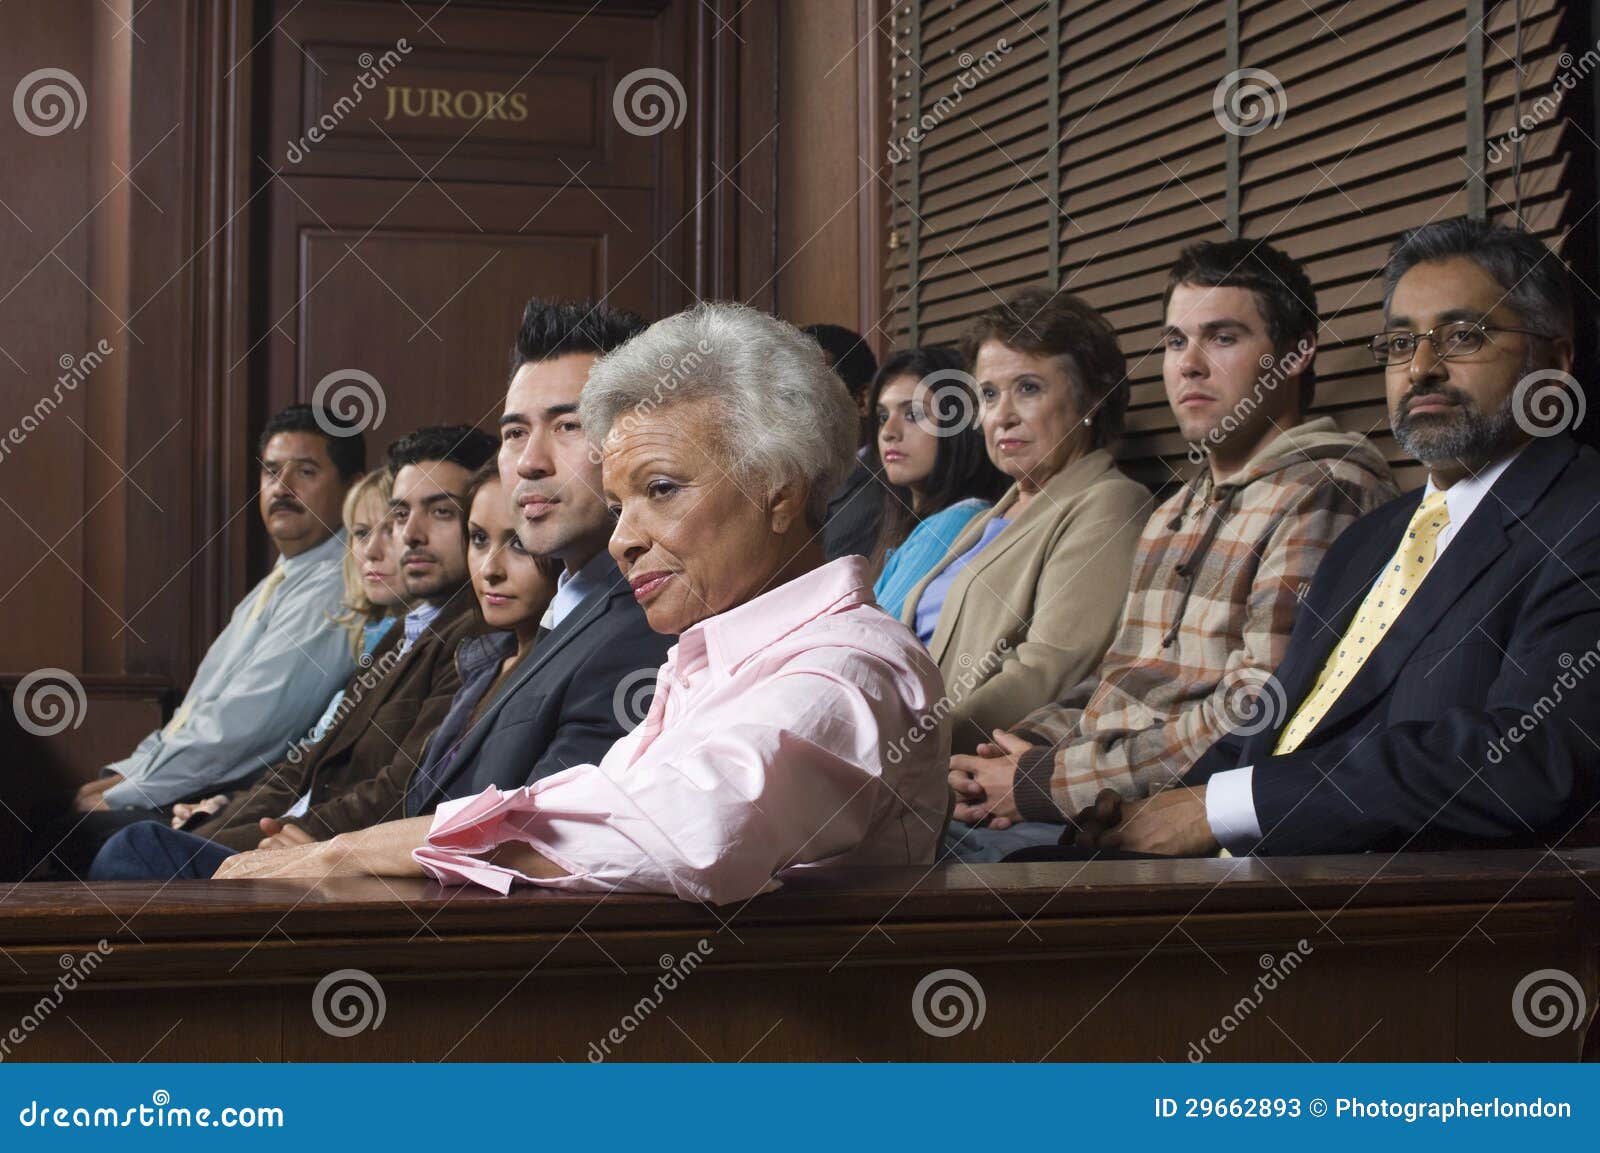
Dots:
pixel 390 709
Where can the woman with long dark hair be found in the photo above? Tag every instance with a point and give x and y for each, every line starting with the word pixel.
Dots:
pixel 930 453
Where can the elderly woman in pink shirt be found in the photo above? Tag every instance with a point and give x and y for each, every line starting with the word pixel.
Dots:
pixel 794 724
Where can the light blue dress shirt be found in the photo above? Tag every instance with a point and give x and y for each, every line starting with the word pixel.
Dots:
pixel 600 571
pixel 416 621
pixel 261 685
pixel 932 601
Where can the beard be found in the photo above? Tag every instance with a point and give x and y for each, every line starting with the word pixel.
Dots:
pixel 1467 434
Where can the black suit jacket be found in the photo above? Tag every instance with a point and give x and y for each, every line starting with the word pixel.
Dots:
pixel 581 688
pixel 854 513
pixel 1476 720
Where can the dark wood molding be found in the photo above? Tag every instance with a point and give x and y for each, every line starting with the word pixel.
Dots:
pixel 1107 960
pixel 730 51
pixel 873 77
pixel 107 685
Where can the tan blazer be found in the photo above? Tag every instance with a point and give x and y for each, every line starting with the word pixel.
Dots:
pixel 1035 611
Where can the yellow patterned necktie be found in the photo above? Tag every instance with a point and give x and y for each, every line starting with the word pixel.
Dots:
pixel 1378 611
pixel 268 587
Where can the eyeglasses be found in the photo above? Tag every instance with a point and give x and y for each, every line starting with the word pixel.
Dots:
pixel 1450 341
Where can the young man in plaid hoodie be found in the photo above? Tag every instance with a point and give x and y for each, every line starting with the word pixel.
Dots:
pixel 1221 565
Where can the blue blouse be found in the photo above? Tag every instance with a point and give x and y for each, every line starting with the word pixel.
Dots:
pixel 932 602
pixel 925 547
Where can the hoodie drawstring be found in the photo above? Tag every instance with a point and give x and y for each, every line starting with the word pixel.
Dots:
pixel 1221 502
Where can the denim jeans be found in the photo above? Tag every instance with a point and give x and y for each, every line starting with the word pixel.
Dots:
pixel 976 843
pixel 151 851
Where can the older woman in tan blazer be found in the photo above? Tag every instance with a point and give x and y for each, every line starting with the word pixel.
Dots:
pixel 1026 601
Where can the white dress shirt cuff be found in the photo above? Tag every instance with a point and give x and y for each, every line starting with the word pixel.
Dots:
pixel 1231 809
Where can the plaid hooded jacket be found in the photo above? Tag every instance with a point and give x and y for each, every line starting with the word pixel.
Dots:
pixel 1218 577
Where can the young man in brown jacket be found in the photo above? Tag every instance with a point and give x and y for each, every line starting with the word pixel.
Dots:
pixel 391 707
pixel 1220 569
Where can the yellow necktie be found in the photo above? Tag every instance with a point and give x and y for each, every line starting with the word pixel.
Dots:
pixel 268 587
pixel 1378 611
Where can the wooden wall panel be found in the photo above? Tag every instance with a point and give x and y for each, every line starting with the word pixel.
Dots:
pixel 478 92
pixel 428 301
pixel 1372 959
pixel 47 323
pixel 832 112
pixel 169 221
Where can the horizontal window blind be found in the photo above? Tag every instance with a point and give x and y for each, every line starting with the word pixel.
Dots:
pixel 1080 144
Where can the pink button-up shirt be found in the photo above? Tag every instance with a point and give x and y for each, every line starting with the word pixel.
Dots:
pixel 801 728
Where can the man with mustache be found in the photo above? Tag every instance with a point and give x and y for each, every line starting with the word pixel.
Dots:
pixel 1438 688
pixel 393 719
pixel 268 675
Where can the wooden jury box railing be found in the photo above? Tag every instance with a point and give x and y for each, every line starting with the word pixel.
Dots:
pixel 1373 957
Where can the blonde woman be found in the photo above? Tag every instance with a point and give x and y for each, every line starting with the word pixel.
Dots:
pixel 373 601
pixel 374 597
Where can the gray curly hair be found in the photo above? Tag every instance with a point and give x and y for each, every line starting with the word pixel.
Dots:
pixel 785 416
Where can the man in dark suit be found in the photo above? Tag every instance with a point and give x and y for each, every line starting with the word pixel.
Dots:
pixel 588 679
pixel 856 510
pixel 1442 681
